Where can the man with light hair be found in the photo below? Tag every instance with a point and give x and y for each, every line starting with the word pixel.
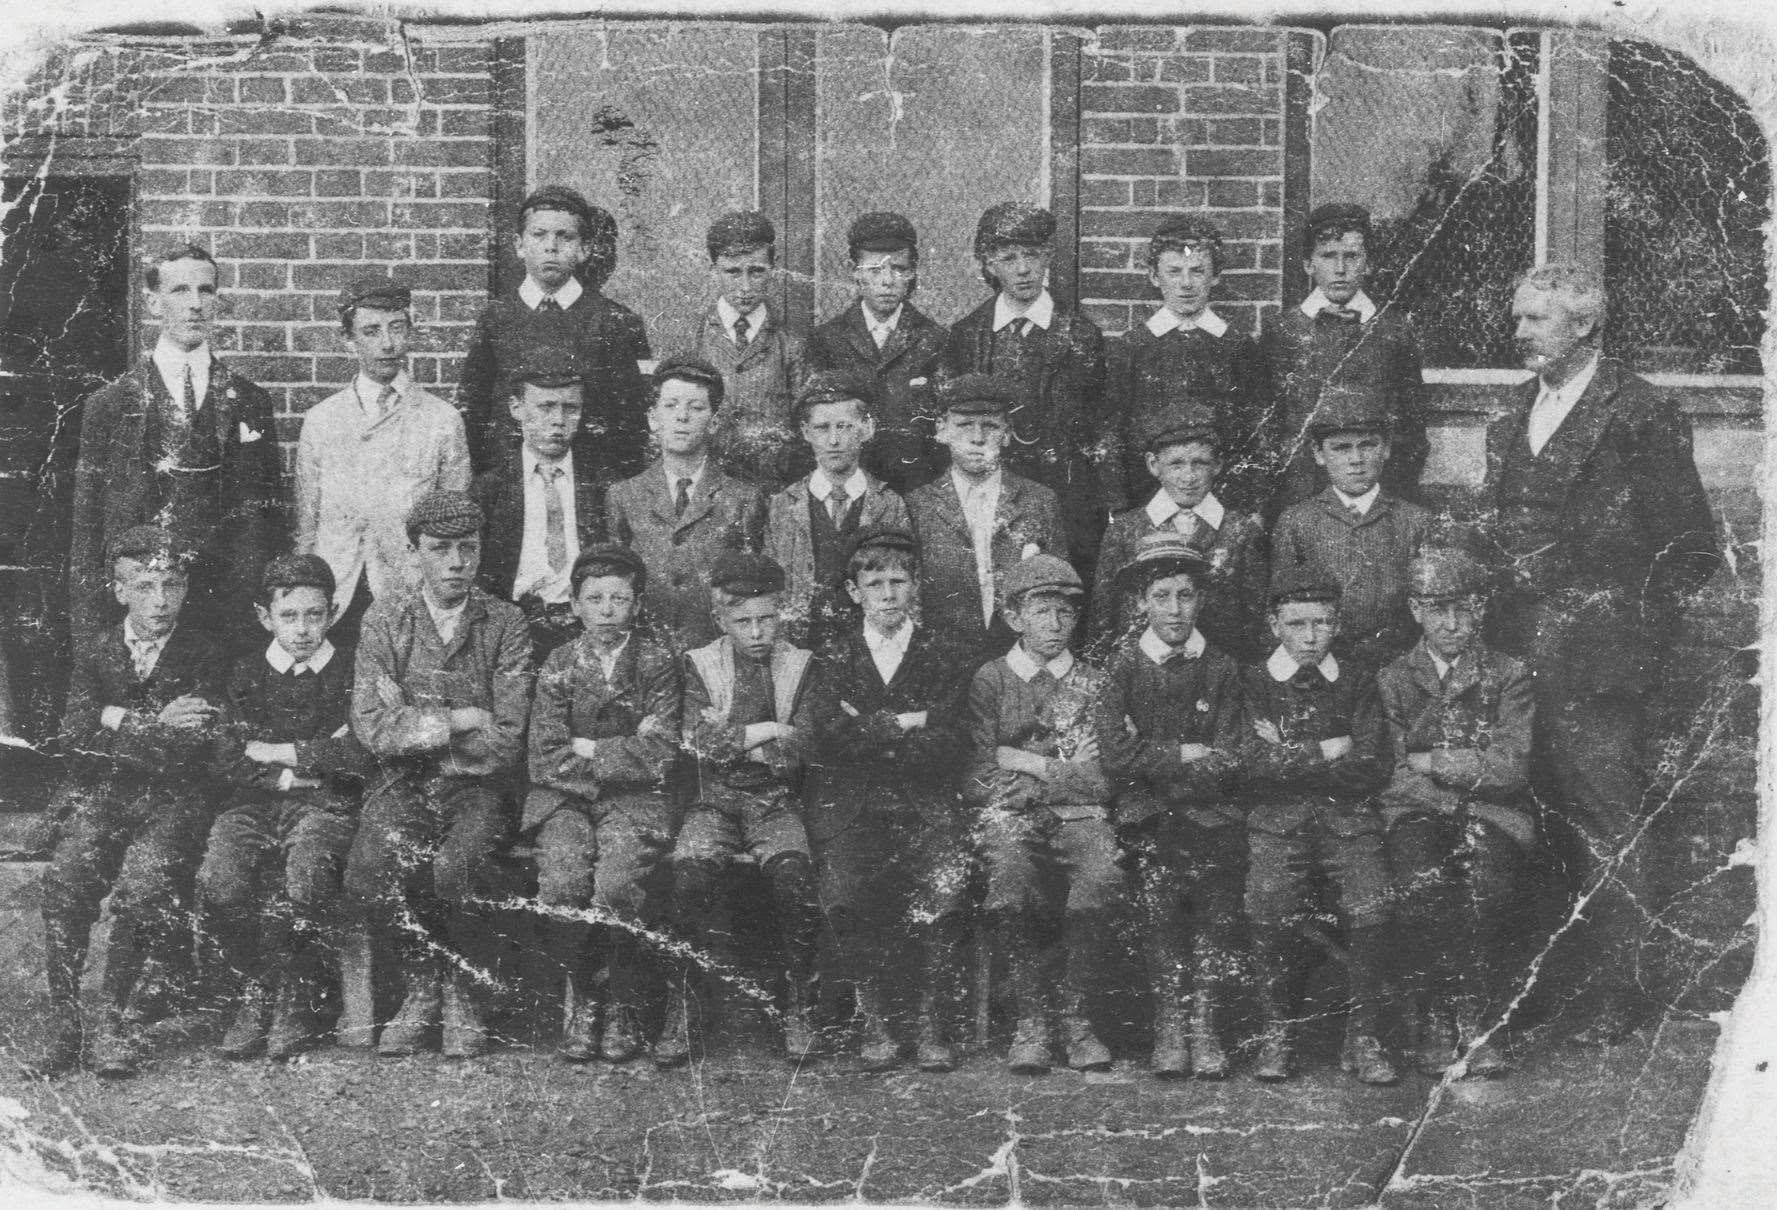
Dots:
pixel 1605 528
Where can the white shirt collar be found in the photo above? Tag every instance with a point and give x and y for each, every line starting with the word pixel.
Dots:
pixel 1316 302
pixel 370 390
pixel 530 460
pixel 1364 503
pixel 283 661
pixel 133 639
pixel 1041 312
pixel 726 312
pixel 1282 667
pixel 672 480
pixel 1167 320
pixel 532 294
pixel 898 641
pixel 876 325
pixel 820 487
pixel 1163 508
pixel 1024 667
pixel 964 485
pixel 608 659
pixel 1569 392
pixel 1159 650
pixel 1440 666
pixel 171 361
pixel 444 620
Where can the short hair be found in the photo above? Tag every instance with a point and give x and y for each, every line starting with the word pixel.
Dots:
pixel 724 598
pixel 592 568
pixel 739 232
pixel 694 370
pixel 151 270
pixel 1335 220
pixel 835 386
pixel 1580 289
pixel 286 573
pixel 1188 234
pixel 598 229
pixel 881 556
pixel 1146 577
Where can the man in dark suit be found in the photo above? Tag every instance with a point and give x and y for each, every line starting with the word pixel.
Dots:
pixel 182 442
pixel 544 503
pixel 884 336
pixel 1055 357
pixel 1606 527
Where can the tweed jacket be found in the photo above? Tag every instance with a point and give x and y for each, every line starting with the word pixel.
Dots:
pixel 1367 557
pixel 903 453
pixel 633 717
pixel 717 741
pixel 949 581
pixel 608 339
pixel 755 430
pixel 724 514
pixel 1050 720
pixel 1291 784
pixel 326 750
pixel 789 539
pixel 1593 594
pixel 103 675
pixel 115 488
pixel 500 493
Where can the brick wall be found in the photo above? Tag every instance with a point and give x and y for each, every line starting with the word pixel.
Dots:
pixel 1176 118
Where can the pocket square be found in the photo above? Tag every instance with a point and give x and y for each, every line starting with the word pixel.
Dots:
pixel 249 434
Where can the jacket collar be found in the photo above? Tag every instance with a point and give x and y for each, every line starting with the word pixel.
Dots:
pixel 1362 303
pixel 1024 667
pixel 1166 320
pixel 1041 312
pixel 1159 650
pixel 283 661
pixel 532 295
pixel 1282 667
pixel 1163 508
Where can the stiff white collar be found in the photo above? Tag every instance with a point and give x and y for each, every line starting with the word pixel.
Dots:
pixel 728 313
pixel 1440 666
pixel 444 621
pixel 1316 302
pixel 530 460
pixel 1159 650
pixel 1024 667
pixel 171 361
pixel 820 487
pixel 897 641
pixel 884 326
pixel 1167 320
pixel 1364 503
pixel 1041 312
pixel 135 640
pixel 370 391
pixel 1282 667
pixel 964 485
pixel 532 294
pixel 1163 508
pixel 283 661
pixel 672 480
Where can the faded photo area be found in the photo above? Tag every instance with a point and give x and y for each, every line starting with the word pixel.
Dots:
pixel 1006 614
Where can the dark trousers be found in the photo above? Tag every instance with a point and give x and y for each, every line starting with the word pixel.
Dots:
pixel 1456 916
pixel 1190 881
pixel 346 627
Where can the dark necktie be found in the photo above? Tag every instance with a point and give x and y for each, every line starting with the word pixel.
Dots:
pixel 549 304
pixel 1025 327
pixel 555 524
pixel 188 396
pixel 836 504
pixel 682 500
pixel 741 327
pixel 1338 317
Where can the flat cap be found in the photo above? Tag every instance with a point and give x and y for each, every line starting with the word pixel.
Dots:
pixel 1337 216
pixel 151 544
pixel 383 293
pixel 1300 582
pixel 548 365
pixel 1041 573
pixel 1157 555
pixel 1442 573
pixel 1178 420
pixel 1013 223
pixel 557 197
pixel 445 514
pixel 895 537
pixel 880 231
pixel 687 367
pixel 605 559
pixel 740 231
pixel 977 395
pixel 836 386
pixel 297 571
pixel 746 574
pixel 1343 408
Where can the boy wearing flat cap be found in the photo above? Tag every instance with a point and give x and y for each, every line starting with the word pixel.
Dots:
pixel 975 522
pixel 368 452
pixel 569 250
pixel 1315 755
pixel 1043 822
pixel 143 704
pixel 1169 731
pixel 1185 349
pixel 1339 336
pixel 891 741
pixel 749 716
pixel 893 343
pixel 684 511
pixel 604 734
pixel 544 502
pixel 762 363
pixel 294 774
pixel 441 695
pixel 811 523
pixel 1356 532
pixel 1460 718
pixel 1053 356
pixel 1182 443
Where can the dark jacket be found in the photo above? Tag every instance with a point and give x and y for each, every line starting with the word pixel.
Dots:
pixel 755 430
pixel 903 453
pixel 314 714
pixel 500 493
pixel 949 582
pixel 1147 710
pixel 103 675
pixel 1291 783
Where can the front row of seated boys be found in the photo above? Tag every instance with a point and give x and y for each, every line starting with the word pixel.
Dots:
pixel 863 780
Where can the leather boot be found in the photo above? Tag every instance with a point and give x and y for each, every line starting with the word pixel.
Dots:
pixel 878 1050
pixel 111 1051
pixel 245 1036
pixel 1208 1060
pixel 1277 1056
pixel 292 1016
pixel 411 1027
pixel 465 1037
pixel 1436 1046
pixel 798 1030
pixel 357 1019
pixel 1029 1054
pixel 1171 1059
pixel 1086 939
pixel 622 1038
pixel 64 1031
pixel 580 1039
pixel 673 1047
pixel 1363 1056
pixel 933 1051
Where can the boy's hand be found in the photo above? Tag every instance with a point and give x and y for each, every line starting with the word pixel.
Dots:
pixel 1268 731
pixel 1190 752
pixel 263 753
pixel 761 733
pixel 1017 760
pixel 911 721
pixel 469 718
pixel 1336 747
pixel 187 713
pixel 1087 752
pixel 1419 762
pixel 585 748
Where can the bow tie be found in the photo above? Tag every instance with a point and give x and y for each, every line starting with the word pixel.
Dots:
pixel 1338 316
pixel 1308 678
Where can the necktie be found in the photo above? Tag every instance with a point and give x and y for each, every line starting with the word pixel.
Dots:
pixel 1352 510
pixel 1044 680
pixel 142 652
pixel 1308 678
pixel 1339 316
pixel 188 395
pixel 385 402
pixel 1543 418
pixel 836 504
pixel 1026 326
pixel 879 334
pixel 549 304
pixel 740 331
pixel 301 670
pixel 682 500
pixel 555 525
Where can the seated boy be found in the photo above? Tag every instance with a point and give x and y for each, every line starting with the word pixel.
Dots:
pixel 893 874
pixel 748 718
pixel 1183 452
pixel 681 513
pixel 1169 729
pixel 1356 532
pixel 1043 827
pixel 762 364
pixel 441 694
pixel 811 522
pixel 977 520
pixel 294 774
pixel 142 703
pixel 1460 718
pixel 604 732
pixel 1186 349
pixel 1316 755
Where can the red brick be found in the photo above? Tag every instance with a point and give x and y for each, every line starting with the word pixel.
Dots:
pixel 1094 192
pixel 1142 161
pixel 443 153
pixel 262 121
pixel 341 214
pixel 352 120
pixel 265 183
pixel 262 245
pixel 1187 132
pixel 457 90
pixel 1215 100
pixel 315 90
pixel 1185 69
pixel 1105 130
pixel 330 59
pixel 1270 256
pixel 1145 130
pixel 1233 193
pixel 281 61
pixel 262 214
pixel 158 149
pixel 463 308
pixel 1102 68
pixel 1128 98
pixel 163 180
pixel 1142 193
pixel 339 245
pixel 1105 254
pixel 1271 132
pixel 1236 41
pixel 263 90
pixel 425 245
pixel 1177 193
pixel 1233 132
pixel 262 338
pixel 1112 318
pixel 357 151
pixel 165 212
pixel 339 182
pixel 268 308
pixel 403 91
pixel 1239 254
pixel 455 58
pixel 267 152
pixel 458 276
pixel 438 214
pixel 1233 163
pixel 262 275
pixel 1246 224
pixel 1136 37
pixel 1271 193
pixel 1238 69
pixel 387 61
pixel 315 338
pixel 464 246
pixel 190 89
pixel 263 368
pixel 456 123
pixel 1253 287
pixel 463 184
pixel 388 245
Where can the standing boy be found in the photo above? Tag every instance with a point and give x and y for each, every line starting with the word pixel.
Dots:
pixel 569 250
pixel 1460 718
pixel 811 522
pixel 441 695
pixel 294 774
pixel 885 337
pixel 604 732
pixel 1316 754
pixel 1044 827
pixel 367 453
pixel 684 511
pixel 1169 729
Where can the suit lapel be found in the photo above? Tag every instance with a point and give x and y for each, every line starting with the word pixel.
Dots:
pixel 703 498
pixel 757 342
pixel 857 334
pixel 953 505
pixel 1571 446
